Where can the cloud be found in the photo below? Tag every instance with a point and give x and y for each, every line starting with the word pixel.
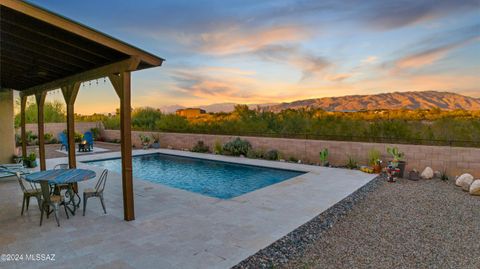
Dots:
pixel 386 15
pixel 236 39
pixel 309 63
pixel 428 56
pixel 202 84
pixel 370 60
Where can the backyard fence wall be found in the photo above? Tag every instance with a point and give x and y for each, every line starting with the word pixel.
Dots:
pixel 56 128
pixel 456 160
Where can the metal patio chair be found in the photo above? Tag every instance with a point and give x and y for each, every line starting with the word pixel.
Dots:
pixel 51 200
pixel 96 192
pixel 28 193
pixel 60 187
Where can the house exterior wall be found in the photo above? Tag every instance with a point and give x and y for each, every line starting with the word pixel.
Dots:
pixel 7 131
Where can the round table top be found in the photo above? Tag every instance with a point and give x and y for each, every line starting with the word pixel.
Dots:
pixel 61 176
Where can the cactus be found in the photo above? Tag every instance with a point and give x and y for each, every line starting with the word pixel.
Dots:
pixel 324 157
pixel 396 154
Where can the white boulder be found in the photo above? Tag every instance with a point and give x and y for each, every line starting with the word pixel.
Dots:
pixel 475 187
pixel 464 181
pixel 427 173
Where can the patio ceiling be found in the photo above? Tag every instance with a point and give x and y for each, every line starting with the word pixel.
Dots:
pixel 43 50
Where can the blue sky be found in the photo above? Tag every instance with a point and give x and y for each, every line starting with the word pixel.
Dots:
pixel 273 51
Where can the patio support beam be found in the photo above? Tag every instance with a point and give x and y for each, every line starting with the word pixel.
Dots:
pixel 70 94
pixel 121 83
pixel 129 64
pixel 23 104
pixel 40 98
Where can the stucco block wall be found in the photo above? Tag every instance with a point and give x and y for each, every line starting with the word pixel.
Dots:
pixel 56 128
pixel 7 131
pixel 456 160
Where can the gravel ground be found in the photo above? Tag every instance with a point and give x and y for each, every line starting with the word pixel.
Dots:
pixel 408 224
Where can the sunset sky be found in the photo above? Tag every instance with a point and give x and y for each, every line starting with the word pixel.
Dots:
pixel 273 51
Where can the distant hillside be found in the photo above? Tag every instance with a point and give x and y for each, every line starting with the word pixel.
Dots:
pixel 214 108
pixel 396 100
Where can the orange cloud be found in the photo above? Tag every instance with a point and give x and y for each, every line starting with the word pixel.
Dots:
pixel 237 40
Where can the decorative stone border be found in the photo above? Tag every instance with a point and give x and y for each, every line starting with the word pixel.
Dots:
pixel 296 242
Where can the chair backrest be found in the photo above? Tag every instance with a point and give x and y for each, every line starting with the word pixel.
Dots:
pixel 101 181
pixel 63 138
pixel 45 187
pixel 20 181
pixel 87 136
pixel 61 166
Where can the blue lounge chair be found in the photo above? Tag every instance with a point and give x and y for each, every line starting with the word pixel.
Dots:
pixel 64 140
pixel 88 136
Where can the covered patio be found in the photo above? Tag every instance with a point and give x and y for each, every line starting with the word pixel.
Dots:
pixel 41 51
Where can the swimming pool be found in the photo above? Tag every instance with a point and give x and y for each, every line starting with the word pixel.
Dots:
pixel 212 178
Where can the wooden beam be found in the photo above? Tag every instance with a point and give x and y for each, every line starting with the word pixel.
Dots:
pixel 121 83
pixel 40 98
pixel 81 30
pixel 23 104
pixel 70 94
pixel 121 66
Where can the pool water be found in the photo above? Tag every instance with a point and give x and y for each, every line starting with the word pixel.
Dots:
pixel 212 178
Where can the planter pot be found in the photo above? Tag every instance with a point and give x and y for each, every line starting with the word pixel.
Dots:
pixel 156 145
pixel 401 166
pixel 377 169
pixel 30 164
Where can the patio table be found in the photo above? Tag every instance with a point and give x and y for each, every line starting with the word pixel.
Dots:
pixel 63 176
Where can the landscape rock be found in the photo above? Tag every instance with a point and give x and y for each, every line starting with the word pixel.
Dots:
pixel 475 187
pixel 427 173
pixel 464 181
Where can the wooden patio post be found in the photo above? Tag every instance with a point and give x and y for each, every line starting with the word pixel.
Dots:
pixel 70 94
pixel 23 104
pixel 40 98
pixel 121 83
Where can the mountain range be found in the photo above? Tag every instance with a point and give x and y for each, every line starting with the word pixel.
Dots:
pixel 395 100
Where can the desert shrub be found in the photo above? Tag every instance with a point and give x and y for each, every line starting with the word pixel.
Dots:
pixel 112 123
pixel 95 133
pixel 78 137
pixel 324 157
pixel 237 147
pixel 292 159
pixel 49 138
pixel 31 138
pixel 351 163
pixel 255 153
pixel 272 155
pixel 144 118
pixel 217 147
pixel 374 157
pixel 200 147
